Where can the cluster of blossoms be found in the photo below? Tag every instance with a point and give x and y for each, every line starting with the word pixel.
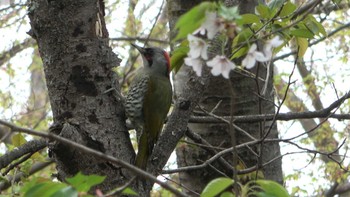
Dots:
pixel 220 64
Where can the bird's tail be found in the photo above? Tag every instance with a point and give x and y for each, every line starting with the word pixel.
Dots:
pixel 145 148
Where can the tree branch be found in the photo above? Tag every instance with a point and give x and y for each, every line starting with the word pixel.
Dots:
pixel 93 152
pixel 324 113
pixel 347 25
pixel 29 147
pixel 35 168
pixel 7 55
pixel 133 39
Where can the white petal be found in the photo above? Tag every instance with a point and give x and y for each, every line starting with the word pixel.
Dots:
pixel 259 56
pixel 211 33
pixel 227 68
pixel 210 17
pixel 252 48
pixel 230 65
pixel 212 24
pixel 195 63
pixel 268 53
pixel 248 61
pixel 276 41
pixel 200 31
pixel 225 73
pixel 204 53
pixel 270 44
pixel 198 47
pixel 194 52
pixel 188 61
pixel 198 69
pixel 213 62
pixel 221 65
pixel 216 71
pixel 191 37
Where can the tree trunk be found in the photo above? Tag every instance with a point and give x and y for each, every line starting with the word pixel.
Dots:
pixel 73 45
pixel 245 102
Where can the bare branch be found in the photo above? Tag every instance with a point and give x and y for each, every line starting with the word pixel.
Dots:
pixel 7 55
pixel 133 39
pixel 324 113
pixel 95 153
pixel 29 147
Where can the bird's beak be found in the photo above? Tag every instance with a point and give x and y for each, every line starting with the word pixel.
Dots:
pixel 140 49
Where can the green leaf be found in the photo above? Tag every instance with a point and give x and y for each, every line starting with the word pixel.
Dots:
pixel 83 183
pixel 303 44
pixel 248 19
pixel 336 1
pixel 243 36
pixel 276 4
pixel 46 189
pixel 228 13
pixel 227 194
pixel 18 140
pixel 216 186
pixel 271 189
pixel 315 26
pixel 263 11
pixel 287 9
pixel 302 33
pixel 66 192
pixel 178 55
pixel 242 51
pixel 129 191
pixel 193 19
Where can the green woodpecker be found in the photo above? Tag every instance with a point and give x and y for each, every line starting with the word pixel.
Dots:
pixel 148 100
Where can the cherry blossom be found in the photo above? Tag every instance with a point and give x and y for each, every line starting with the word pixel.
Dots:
pixel 221 65
pixel 213 24
pixel 195 63
pixel 200 31
pixel 252 56
pixel 198 47
pixel 270 45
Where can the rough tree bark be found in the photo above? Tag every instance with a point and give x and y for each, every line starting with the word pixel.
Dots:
pixel 246 102
pixel 73 45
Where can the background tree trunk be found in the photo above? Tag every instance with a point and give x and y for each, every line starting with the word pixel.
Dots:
pixel 246 102
pixel 73 45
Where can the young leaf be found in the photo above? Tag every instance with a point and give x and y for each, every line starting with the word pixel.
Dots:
pixel 193 19
pixel 263 11
pixel 216 186
pixel 248 19
pixel 276 4
pixel 228 13
pixel 83 183
pixel 243 36
pixel 271 189
pixel 303 44
pixel 66 192
pixel 242 51
pixel 45 189
pixel 227 194
pixel 129 191
pixel 18 140
pixel 302 33
pixel 287 9
pixel 178 55
pixel 315 26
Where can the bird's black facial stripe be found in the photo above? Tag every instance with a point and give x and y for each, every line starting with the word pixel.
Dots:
pixel 148 55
